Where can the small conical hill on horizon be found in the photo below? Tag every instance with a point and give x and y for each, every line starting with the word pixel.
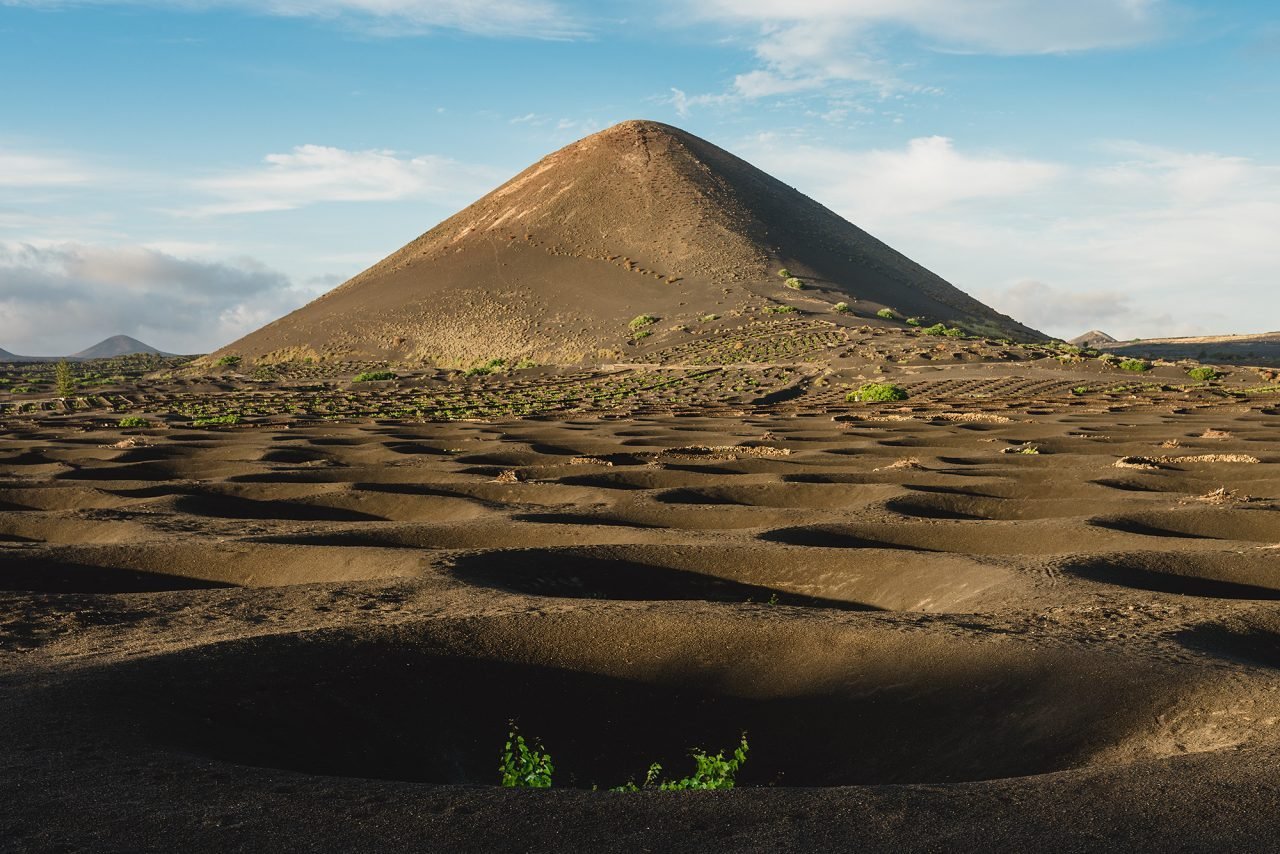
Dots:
pixel 641 218
pixel 117 345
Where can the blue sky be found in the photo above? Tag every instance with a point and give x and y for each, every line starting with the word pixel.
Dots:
pixel 186 170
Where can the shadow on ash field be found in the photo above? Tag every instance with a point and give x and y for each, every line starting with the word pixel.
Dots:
pixel 350 611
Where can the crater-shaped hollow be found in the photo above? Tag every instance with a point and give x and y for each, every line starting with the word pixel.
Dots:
pixel 821 578
pixel 976 537
pixel 189 565
pixel 1259 525
pixel 1253 574
pixel 819 708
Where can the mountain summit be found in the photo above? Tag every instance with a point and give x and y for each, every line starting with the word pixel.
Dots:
pixel 641 218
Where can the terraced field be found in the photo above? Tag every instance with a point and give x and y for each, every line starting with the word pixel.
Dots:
pixel 1005 609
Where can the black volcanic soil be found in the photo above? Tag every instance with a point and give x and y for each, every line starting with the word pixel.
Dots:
pixel 296 634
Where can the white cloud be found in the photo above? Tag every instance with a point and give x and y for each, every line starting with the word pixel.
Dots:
pixel 24 169
pixel 1043 306
pixel 528 18
pixel 815 45
pixel 879 185
pixel 1146 241
pixel 991 26
pixel 62 298
pixel 310 174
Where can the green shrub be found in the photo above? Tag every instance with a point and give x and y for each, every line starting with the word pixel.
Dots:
pixel 228 361
pixel 1138 366
pixel 134 421
pixel 707 318
pixel 877 393
pixel 936 329
pixel 954 332
pixel 1203 374
pixel 794 283
pixel 490 367
pixel 641 321
pixel 913 321
pixel 65 379
pixel 784 273
pixel 887 313
pixel 710 772
pixel 779 309
pixel 524 767
pixel 841 308
pixel 373 376
pixel 213 420
pixel 642 333
pixel 525 364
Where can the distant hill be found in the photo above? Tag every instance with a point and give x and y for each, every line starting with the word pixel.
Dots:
pixel 639 219
pixel 1262 349
pixel 117 345
pixel 1092 338
pixel 6 356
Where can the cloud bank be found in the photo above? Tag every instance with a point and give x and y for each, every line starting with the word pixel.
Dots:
pixel 311 174
pixel 59 299
pixel 494 18
pixel 815 45
pixel 1145 241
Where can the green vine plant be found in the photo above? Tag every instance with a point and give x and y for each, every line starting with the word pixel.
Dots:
pixel 524 767
pixel 710 772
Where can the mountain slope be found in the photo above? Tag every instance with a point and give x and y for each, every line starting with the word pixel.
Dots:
pixel 639 218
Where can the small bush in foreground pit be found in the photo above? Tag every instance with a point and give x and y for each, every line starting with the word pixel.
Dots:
pixel 213 420
pixel 887 313
pixel 524 767
pixel 134 421
pixel 1138 366
pixel 373 376
pixel 1203 374
pixel 784 273
pixel 913 321
pixel 228 361
pixel 710 772
pixel 794 283
pixel 779 309
pixel 841 308
pixel 877 393
pixel 707 318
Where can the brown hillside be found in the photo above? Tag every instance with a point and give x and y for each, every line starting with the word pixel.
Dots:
pixel 641 218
